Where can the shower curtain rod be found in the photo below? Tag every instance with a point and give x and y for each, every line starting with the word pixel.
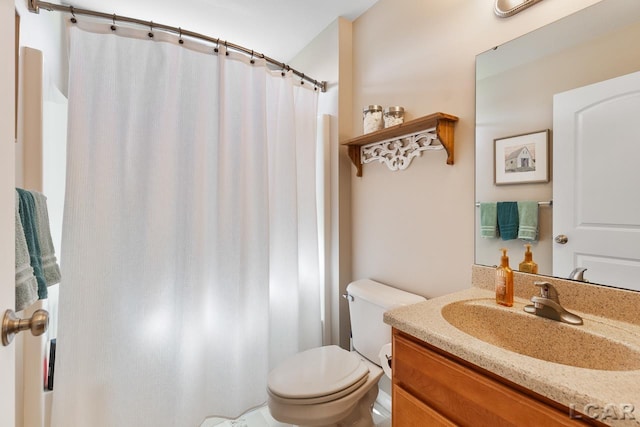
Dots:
pixel 35 5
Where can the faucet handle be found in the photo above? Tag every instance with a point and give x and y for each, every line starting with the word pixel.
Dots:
pixel 544 288
pixel 547 290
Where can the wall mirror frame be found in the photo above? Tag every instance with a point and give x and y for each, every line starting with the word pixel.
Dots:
pixel 515 84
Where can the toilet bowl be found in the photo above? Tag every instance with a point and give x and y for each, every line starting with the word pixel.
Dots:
pixel 330 386
pixel 325 386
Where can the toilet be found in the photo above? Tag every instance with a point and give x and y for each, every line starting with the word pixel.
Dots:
pixel 330 386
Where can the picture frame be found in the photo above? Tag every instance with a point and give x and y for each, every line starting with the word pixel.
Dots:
pixel 521 159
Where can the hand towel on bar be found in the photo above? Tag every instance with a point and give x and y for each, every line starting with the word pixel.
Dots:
pixel 508 220
pixel 488 220
pixel 26 283
pixel 528 220
pixel 28 219
pixel 50 267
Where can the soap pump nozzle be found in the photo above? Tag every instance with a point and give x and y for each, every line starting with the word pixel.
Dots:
pixel 504 260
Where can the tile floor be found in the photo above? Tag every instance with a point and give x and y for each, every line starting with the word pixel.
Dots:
pixel 261 418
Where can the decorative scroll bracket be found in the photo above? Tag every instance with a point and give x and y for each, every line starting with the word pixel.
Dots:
pixel 397 153
pixel 401 143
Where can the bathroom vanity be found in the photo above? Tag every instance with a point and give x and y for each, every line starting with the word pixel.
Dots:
pixel 435 387
pixel 461 359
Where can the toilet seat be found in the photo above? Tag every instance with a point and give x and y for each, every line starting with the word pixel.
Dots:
pixel 319 399
pixel 338 373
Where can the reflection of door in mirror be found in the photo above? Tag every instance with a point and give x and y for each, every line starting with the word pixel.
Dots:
pixel 596 199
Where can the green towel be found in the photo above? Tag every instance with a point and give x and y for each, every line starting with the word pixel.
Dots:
pixel 26 283
pixel 50 267
pixel 508 220
pixel 528 220
pixel 488 220
pixel 27 210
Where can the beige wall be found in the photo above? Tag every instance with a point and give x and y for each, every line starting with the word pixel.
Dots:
pixel 414 229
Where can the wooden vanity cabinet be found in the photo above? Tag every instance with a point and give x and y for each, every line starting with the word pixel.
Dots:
pixel 434 388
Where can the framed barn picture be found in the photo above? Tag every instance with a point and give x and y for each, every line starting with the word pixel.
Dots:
pixel 522 159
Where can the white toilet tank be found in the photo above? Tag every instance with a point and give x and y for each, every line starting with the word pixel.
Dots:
pixel 368 300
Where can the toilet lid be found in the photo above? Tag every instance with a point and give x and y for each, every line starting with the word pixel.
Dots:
pixel 317 372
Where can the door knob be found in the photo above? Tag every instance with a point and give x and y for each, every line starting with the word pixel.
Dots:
pixel 11 324
pixel 562 239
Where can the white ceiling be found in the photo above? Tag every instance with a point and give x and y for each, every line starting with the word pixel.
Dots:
pixel 277 28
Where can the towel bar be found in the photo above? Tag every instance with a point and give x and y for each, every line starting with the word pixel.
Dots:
pixel 549 203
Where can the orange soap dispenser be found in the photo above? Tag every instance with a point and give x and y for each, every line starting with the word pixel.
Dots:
pixel 504 281
pixel 528 265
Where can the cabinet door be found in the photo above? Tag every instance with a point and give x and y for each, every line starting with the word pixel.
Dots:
pixel 410 412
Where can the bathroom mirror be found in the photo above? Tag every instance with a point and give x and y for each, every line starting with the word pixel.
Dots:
pixel 515 84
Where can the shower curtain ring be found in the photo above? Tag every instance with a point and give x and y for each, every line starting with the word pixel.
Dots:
pixel 73 15
pixel 251 59
pixel 226 51
pixel 302 79
pixel 113 26
pixel 180 37
pixel 215 49
pixel 151 29
pixel 283 72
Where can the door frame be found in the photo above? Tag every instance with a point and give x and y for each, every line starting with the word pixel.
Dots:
pixel 7 202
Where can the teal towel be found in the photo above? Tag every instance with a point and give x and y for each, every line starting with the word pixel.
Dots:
pixel 489 220
pixel 508 220
pixel 27 210
pixel 528 220
pixel 26 283
pixel 50 267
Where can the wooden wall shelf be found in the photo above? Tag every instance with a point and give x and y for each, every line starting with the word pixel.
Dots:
pixel 398 145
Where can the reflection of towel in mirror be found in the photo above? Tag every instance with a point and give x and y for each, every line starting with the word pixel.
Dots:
pixel 528 219
pixel 488 220
pixel 508 220
pixel 50 267
pixel 26 283
pixel 27 209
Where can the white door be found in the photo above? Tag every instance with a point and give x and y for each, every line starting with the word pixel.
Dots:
pixel 7 224
pixel 596 200
pixel 7 267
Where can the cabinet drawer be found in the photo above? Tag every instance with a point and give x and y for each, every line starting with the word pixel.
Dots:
pixel 464 395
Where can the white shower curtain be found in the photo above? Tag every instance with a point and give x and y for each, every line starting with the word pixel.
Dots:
pixel 190 245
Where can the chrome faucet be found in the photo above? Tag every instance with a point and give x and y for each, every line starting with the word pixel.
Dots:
pixel 578 274
pixel 547 304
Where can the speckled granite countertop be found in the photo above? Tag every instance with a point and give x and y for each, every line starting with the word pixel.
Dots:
pixel 571 386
